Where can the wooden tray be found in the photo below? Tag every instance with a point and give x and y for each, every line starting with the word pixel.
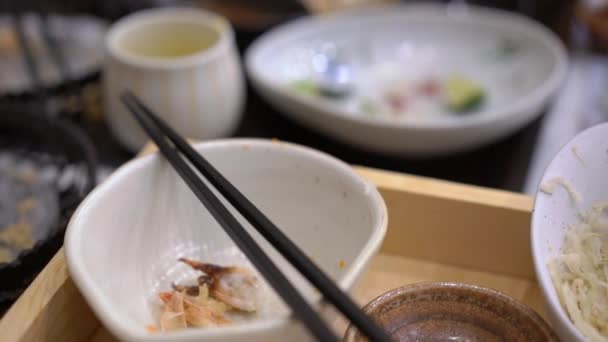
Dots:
pixel 437 231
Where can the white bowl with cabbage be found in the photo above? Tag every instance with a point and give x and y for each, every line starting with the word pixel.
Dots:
pixel 570 237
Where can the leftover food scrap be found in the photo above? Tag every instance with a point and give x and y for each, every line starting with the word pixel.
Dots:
pixel 455 94
pixel 219 291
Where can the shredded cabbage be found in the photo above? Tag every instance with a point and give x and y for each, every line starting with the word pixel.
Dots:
pixel 580 273
pixel 551 185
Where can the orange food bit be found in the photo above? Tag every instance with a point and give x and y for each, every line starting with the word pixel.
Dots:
pixel 152 329
pixel 341 263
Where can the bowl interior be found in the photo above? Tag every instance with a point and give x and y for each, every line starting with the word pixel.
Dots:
pixel 124 241
pixel 511 57
pixel 582 164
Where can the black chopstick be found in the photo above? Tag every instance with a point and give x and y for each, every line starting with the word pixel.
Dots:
pixel 236 231
pixel 28 54
pixel 270 232
pixel 58 58
pixel 53 46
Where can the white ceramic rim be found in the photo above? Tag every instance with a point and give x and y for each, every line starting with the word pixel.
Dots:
pixel 540 267
pixel 501 20
pixel 170 14
pixel 103 310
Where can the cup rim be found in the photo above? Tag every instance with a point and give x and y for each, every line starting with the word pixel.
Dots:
pixel 159 15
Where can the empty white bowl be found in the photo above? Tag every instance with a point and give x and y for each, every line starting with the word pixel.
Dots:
pixel 583 165
pixel 442 40
pixel 123 242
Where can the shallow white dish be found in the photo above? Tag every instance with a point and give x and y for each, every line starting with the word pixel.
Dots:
pixel 123 242
pixel 439 38
pixel 554 212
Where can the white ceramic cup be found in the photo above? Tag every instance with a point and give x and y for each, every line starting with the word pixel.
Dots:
pixel 183 63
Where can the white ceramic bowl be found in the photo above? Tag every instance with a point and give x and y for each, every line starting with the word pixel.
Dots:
pixel 554 212
pixel 123 242
pixel 435 37
pixel 183 63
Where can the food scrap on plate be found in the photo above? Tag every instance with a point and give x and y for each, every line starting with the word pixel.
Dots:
pixel 455 94
pixel 28 207
pixel 219 291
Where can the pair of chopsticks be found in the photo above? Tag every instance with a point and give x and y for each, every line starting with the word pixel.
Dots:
pixel 28 53
pixel 29 58
pixel 162 134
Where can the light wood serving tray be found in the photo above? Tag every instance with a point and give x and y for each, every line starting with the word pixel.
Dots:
pixel 438 231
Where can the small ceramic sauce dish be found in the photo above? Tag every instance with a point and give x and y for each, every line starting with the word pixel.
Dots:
pixel 440 311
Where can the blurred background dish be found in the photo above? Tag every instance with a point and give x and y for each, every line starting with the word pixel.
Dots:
pixel 428 80
pixel 47 166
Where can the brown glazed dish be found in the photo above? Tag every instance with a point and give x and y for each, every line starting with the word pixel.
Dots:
pixel 453 312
